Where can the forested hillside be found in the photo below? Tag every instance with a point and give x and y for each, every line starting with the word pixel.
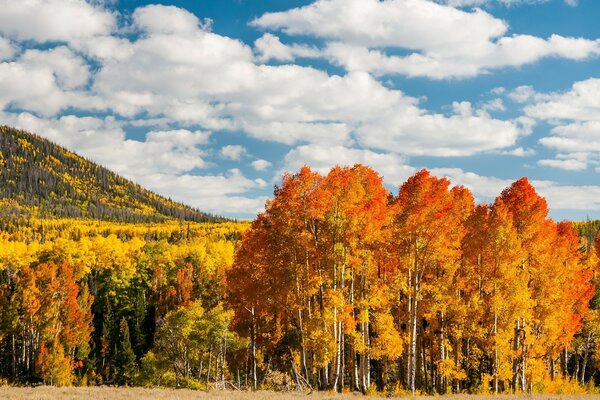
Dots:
pixel 41 179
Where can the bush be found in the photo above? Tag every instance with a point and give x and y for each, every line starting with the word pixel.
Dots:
pixel 278 382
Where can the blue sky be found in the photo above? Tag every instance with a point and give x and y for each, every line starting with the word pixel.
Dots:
pixel 210 101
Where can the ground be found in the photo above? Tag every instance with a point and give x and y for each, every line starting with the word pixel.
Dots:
pixel 108 393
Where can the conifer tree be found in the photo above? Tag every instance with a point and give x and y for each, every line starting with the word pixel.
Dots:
pixel 125 357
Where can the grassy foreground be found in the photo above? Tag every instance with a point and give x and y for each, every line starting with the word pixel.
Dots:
pixel 110 393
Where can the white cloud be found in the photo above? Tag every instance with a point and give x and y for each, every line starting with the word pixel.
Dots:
pixel 494 105
pixel 439 135
pixel 179 137
pixel 70 70
pixel 463 43
pixel 576 116
pixel 269 47
pixel 579 136
pixel 581 103
pixel 393 23
pixel 47 82
pixel 233 152
pixel 223 193
pixel 522 94
pixel 54 20
pixel 156 18
pixel 484 188
pixel 519 152
pixel 585 197
pixel 260 165
pixel 567 164
pixel 7 49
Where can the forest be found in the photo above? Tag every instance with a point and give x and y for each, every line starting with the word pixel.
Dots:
pixel 338 285
pixel 41 179
pixel 94 302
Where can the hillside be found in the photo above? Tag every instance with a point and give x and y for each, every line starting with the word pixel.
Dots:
pixel 39 178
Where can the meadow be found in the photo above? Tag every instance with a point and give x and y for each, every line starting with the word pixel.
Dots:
pixel 116 393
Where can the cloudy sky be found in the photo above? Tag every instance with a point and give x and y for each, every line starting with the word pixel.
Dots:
pixel 210 101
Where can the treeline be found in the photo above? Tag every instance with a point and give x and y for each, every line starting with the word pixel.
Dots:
pixel 91 302
pixel 40 179
pixel 344 286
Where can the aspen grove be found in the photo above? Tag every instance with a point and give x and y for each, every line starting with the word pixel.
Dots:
pixel 347 287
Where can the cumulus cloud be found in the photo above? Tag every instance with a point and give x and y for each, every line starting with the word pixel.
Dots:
pixel 575 114
pixel 463 43
pixel 260 164
pixel 156 18
pixel 223 193
pixel 567 164
pixel 580 103
pixel 104 141
pixel 519 152
pixel 47 82
pixel 233 152
pixel 7 49
pixel 269 47
pixel 54 20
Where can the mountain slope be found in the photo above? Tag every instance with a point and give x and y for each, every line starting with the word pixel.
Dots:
pixel 39 178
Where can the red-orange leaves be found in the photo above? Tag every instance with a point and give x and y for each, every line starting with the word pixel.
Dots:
pixel 337 276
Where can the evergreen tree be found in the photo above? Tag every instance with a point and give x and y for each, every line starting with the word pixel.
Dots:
pixel 125 357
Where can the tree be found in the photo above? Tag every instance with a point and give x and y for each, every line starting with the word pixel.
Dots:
pixel 427 232
pixel 125 357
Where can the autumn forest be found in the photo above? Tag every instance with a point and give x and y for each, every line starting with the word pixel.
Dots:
pixel 338 285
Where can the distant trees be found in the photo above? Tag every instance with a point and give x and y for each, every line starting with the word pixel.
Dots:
pixel 41 179
pixel 345 286
pixel 86 304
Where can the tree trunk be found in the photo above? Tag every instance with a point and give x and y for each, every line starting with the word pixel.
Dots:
pixel 208 369
pixel 441 386
pixel 409 327
pixel 496 360
pixel 516 362
pixel 585 358
pixel 253 350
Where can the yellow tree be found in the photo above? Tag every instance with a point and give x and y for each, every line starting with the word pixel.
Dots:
pixel 427 231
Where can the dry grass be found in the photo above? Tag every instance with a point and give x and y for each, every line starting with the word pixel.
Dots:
pixel 109 393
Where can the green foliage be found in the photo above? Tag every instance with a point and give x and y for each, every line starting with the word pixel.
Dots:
pixel 125 357
pixel 188 338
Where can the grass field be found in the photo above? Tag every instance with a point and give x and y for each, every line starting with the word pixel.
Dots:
pixel 108 393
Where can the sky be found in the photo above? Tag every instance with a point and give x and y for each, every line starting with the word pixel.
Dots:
pixel 209 102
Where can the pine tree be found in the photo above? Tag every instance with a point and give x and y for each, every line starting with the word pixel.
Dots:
pixel 125 357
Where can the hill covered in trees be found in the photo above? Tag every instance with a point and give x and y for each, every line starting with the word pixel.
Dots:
pixel 39 178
